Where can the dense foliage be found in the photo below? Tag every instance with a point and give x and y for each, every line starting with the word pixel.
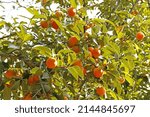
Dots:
pixel 66 54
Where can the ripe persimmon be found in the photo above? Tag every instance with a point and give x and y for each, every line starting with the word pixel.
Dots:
pixel 140 36
pixel 10 74
pixel 44 24
pixel 53 24
pixel 71 12
pixel 30 81
pixel 90 49
pixel 72 41
pixel 33 79
pixel 76 49
pixel 78 62
pixel 100 91
pixel 51 63
pixel 28 96
pixel 97 72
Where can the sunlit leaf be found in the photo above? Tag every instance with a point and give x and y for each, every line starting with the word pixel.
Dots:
pixel 2 23
pixel 43 50
pixel 113 94
pixel 36 70
pixel 73 3
pixel 130 80
pixel 74 71
pixel 27 37
pixel 33 11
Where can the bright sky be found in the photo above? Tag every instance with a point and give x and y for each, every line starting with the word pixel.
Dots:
pixel 12 10
pixel 9 10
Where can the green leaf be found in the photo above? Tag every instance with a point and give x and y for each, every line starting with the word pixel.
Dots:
pixel 68 53
pixel 24 85
pixel 110 22
pixel 114 48
pixel 16 85
pixel 73 3
pixel 120 35
pixel 118 87
pixel 130 80
pixel 23 30
pixel 43 50
pixel 71 89
pixel 23 34
pixel 75 71
pixel 136 47
pixel 27 37
pixel 106 52
pixel 147 22
pixel 40 16
pixel 128 63
pixel 47 88
pixel 80 72
pixel 80 25
pixel 36 70
pixel 36 14
pixel 98 20
pixel 32 11
pixel 95 29
pixel 2 23
pixel 75 29
pixel 104 29
pixel 81 2
pixel 7 93
pixel 113 94
pixel 122 12
pixel 83 11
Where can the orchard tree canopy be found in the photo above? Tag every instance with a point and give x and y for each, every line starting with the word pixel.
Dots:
pixel 84 49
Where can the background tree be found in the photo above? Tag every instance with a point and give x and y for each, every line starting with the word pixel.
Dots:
pixel 65 54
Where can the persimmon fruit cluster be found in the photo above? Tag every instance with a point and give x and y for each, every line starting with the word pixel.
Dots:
pixel 95 52
pixel 44 24
pixel 73 44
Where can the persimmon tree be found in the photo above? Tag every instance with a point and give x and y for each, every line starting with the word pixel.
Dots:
pixel 65 54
